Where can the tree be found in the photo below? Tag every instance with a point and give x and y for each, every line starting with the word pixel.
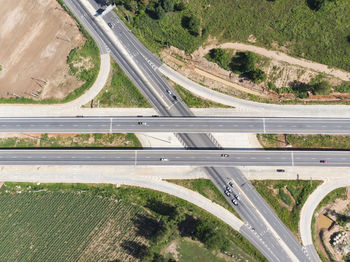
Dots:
pixel 220 57
pixel 160 13
pixel 193 25
pixel 321 88
pixel 257 75
pixel 180 6
pixel 168 5
pixel 316 4
pixel 248 60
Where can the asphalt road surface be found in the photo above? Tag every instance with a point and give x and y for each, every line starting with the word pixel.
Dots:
pixel 80 124
pixel 138 64
pixel 204 158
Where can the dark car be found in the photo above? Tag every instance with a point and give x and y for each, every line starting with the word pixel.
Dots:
pixel 281 170
pixel 237 196
pixel 323 161
pixel 175 98
pixel 230 183
pixel 224 155
pixel 227 193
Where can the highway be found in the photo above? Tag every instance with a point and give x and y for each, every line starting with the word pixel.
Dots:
pixel 203 158
pixel 277 244
pixel 79 124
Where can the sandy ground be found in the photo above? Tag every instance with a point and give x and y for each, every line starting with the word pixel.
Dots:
pixel 36 37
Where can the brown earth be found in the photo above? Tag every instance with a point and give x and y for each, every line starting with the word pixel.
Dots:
pixel 36 36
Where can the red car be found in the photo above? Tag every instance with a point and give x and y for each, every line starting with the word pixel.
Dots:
pixel 323 161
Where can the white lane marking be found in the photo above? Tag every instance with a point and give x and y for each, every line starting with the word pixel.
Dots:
pixel 264 125
pixel 135 157
pixel 110 126
pixel 292 158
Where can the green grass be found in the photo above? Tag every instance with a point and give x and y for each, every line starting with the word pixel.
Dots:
pixel 70 222
pixel 339 193
pixel 320 36
pixel 206 188
pixel 121 92
pixel 192 252
pixel 194 101
pixel 73 140
pixel 307 141
pixel 299 189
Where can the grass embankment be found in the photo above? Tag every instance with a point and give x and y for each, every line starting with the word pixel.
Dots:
pixel 71 140
pixel 206 188
pixel 88 53
pixel 286 197
pixel 87 222
pixel 121 92
pixel 319 35
pixel 339 193
pixel 194 101
pixel 271 141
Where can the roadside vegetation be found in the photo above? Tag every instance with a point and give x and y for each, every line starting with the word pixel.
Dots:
pixel 313 29
pixel 206 188
pixel 71 140
pixel 271 141
pixel 286 197
pixel 194 101
pixel 319 232
pixel 120 92
pixel 89 222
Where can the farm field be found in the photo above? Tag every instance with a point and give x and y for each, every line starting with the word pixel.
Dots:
pixel 76 222
pixel 45 57
pixel 289 26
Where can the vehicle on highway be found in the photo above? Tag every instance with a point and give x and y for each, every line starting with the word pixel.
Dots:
pixel 230 183
pixel 110 25
pixel 234 201
pixel 175 98
pixel 168 91
pixel 228 189
pixel 281 170
pixel 323 161
pixel 79 116
pixel 142 123
pixel 225 155
pixel 227 193
pixel 237 196
pixel 164 159
pixel 155 115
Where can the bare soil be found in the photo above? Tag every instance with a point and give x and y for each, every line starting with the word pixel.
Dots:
pixel 281 69
pixel 36 36
pixel 339 206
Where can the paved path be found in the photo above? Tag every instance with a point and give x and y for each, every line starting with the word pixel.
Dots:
pixel 248 108
pixel 151 182
pixel 309 207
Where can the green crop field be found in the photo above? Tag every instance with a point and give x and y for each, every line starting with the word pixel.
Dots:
pixel 77 222
pixel 321 35
pixel 65 226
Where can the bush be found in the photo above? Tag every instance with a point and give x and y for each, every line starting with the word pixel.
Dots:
pixel 220 57
pixel 168 5
pixel 322 88
pixel 160 13
pixel 315 4
pixel 257 75
pixel 247 61
pixel 193 25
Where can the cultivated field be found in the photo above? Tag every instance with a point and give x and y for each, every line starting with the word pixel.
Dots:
pixel 36 38
pixel 39 225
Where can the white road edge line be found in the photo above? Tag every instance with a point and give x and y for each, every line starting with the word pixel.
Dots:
pixel 292 158
pixel 264 125
pixel 110 125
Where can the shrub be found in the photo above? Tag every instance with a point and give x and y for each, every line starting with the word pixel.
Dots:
pixel 220 57
pixel 257 75
pixel 168 5
pixel 321 88
pixel 192 23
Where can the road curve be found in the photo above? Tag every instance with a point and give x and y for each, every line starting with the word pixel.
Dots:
pixel 308 209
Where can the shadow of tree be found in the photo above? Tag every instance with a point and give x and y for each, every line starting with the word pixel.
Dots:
pixel 134 249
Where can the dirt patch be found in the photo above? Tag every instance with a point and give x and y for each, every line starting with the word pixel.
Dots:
pixel 326 236
pixel 172 249
pixel 36 37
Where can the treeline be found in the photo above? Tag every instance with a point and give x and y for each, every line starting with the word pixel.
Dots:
pixel 158 9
